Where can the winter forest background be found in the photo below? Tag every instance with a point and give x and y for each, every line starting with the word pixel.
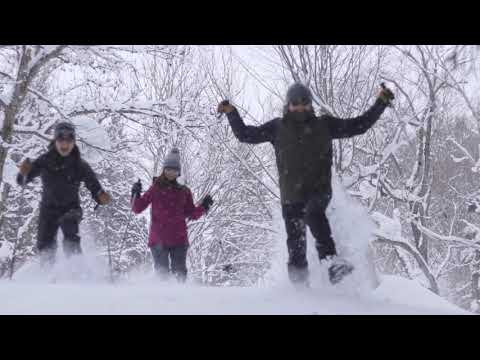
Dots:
pixel 415 171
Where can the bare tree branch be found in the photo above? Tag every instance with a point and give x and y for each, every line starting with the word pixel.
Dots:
pixel 418 257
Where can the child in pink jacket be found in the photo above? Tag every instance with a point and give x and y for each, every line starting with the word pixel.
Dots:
pixel 172 204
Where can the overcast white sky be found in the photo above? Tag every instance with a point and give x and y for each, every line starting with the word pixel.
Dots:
pixel 257 61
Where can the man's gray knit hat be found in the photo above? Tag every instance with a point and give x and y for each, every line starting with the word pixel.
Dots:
pixel 298 93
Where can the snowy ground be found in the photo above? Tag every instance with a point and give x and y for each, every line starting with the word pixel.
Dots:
pixel 31 292
pixel 394 296
pixel 77 291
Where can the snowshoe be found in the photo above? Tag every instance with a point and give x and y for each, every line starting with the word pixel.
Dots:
pixel 338 270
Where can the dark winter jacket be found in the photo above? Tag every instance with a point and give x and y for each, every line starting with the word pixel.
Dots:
pixel 172 204
pixel 61 178
pixel 303 146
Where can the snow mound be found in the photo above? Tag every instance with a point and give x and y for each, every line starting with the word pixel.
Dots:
pixel 86 268
pixel 151 296
pixel 399 290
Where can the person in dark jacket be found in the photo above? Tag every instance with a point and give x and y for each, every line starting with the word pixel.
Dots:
pixel 172 203
pixel 61 170
pixel 303 149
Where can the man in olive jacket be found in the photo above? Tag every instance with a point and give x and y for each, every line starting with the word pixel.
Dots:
pixel 303 149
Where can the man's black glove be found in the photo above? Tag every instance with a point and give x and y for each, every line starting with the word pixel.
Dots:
pixel 386 95
pixel 207 202
pixel 137 189
pixel 25 167
pixel 225 107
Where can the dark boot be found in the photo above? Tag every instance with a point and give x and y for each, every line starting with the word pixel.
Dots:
pixel 46 237
pixel 160 261
pixel 299 276
pixel 69 223
pixel 293 215
pixel 71 246
pixel 47 258
pixel 178 255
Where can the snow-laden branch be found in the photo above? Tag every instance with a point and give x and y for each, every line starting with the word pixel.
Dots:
pixel 150 109
pixel 448 239
pixel 31 132
pixel 465 151
pixel 42 58
pixel 48 101
pixel 246 166
pixel 44 137
pixel 397 194
pixel 444 263
pixel 476 166
pixel 120 108
pixel 380 238
pixel 245 223
pixel 407 97
pixel 8 76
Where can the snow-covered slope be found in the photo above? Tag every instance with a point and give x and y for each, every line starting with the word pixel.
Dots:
pixel 398 290
pixel 394 296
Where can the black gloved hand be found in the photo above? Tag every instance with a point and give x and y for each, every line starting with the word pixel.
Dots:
pixel 207 202
pixel 225 107
pixel 137 189
pixel 25 167
pixel 386 95
pixel 103 198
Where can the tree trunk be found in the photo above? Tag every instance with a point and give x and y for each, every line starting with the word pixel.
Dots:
pixel 421 190
pixel 10 112
pixel 475 290
pixel 3 201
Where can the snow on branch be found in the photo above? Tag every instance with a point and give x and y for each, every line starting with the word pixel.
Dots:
pixel 245 223
pixel 397 194
pixel 26 131
pixel 43 57
pixel 48 101
pixel 459 159
pixel 456 239
pixel 465 151
pixel 380 238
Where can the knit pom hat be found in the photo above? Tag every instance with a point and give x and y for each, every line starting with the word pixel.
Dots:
pixel 172 160
pixel 298 93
